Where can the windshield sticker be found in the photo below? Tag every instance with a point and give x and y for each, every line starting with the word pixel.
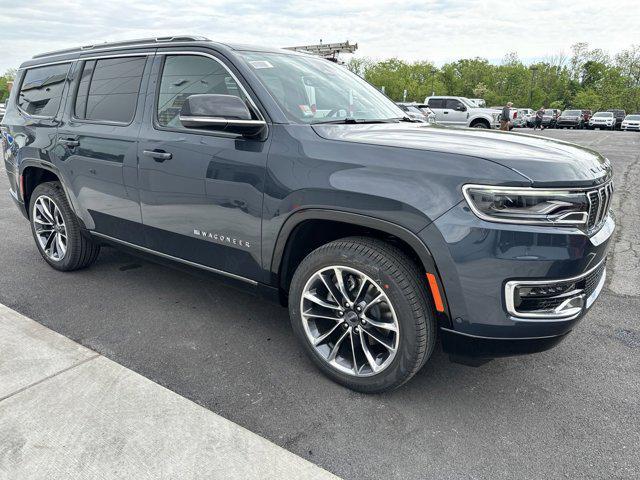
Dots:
pixel 261 64
pixel 306 110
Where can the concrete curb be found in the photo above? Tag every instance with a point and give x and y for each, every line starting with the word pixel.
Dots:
pixel 66 412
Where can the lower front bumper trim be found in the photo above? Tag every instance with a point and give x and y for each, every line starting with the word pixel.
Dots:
pixel 460 345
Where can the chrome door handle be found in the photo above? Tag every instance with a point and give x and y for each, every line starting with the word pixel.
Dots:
pixel 158 155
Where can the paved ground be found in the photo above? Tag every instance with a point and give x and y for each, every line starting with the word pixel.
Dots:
pixel 67 412
pixel 571 412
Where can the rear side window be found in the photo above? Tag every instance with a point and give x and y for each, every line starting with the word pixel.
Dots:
pixel 109 88
pixel 436 103
pixel 41 90
pixel 185 75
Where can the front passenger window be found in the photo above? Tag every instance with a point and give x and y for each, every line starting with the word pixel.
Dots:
pixel 185 75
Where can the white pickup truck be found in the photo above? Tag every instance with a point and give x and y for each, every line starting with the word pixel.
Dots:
pixel 462 112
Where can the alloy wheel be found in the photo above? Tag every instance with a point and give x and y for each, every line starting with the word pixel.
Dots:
pixel 50 228
pixel 349 321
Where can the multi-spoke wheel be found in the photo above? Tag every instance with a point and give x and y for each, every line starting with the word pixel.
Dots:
pixel 362 313
pixel 349 320
pixel 57 230
pixel 49 227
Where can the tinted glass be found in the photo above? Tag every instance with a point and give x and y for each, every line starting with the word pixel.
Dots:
pixel 41 90
pixel 314 90
pixel 453 103
pixel 185 75
pixel 436 103
pixel 109 89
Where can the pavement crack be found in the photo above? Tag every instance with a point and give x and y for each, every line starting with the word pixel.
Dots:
pixel 53 375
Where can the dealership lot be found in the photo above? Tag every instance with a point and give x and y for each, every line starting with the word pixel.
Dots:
pixel 569 412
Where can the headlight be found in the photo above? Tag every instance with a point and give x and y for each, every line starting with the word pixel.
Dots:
pixel 528 205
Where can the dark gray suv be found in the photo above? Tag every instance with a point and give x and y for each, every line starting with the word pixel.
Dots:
pixel 287 175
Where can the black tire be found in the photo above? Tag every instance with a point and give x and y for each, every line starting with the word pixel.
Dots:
pixel 403 283
pixel 80 250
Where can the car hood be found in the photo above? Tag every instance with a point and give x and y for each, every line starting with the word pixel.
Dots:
pixel 545 162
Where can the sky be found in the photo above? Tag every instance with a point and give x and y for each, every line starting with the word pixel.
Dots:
pixel 436 30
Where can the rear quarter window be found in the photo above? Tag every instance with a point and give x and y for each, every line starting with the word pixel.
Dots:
pixel 41 90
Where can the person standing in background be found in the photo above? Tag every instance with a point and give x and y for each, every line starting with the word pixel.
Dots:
pixel 506 116
pixel 538 122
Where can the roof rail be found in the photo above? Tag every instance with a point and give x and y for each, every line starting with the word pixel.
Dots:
pixel 126 43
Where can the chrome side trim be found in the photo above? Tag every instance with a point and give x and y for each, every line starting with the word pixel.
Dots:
pixel 596 293
pixel 221 120
pixel 510 287
pixel 605 232
pixel 176 259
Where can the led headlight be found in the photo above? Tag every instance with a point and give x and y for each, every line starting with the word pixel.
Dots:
pixel 528 205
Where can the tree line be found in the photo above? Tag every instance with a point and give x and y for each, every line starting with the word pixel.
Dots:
pixel 586 79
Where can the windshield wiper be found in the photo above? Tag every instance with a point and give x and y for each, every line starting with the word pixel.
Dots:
pixel 351 121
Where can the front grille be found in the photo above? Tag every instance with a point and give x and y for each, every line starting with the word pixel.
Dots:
pixel 599 204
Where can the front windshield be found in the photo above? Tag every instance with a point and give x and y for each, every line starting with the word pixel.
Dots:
pixel 633 117
pixel 469 103
pixel 572 113
pixel 603 114
pixel 313 90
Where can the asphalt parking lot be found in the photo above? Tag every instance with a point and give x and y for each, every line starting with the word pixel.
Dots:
pixel 571 412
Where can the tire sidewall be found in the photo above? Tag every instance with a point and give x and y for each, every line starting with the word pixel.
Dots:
pixel 54 192
pixel 404 361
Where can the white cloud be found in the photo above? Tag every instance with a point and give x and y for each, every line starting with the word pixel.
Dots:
pixel 435 30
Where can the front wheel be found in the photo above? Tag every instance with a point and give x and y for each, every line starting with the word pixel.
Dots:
pixel 57 231
pixel 360 308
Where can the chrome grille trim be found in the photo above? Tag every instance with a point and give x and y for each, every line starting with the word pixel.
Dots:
pixel 599 205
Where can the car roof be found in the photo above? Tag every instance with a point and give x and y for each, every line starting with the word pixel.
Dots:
pixel 70 54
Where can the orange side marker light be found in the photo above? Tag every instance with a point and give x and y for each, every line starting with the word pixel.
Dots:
pixel 435 291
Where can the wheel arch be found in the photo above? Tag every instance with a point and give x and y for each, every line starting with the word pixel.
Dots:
pixel 478 120
pixel 33 174
pixel 300 235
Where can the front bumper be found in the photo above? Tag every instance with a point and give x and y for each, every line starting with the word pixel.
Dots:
pixel 631 127
pixel 480 262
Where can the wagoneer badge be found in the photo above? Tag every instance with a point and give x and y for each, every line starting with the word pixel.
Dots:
pixel 221 238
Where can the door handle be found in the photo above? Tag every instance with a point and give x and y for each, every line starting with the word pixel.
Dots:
pixel 69 142
pixel 446 113
pixel 158 155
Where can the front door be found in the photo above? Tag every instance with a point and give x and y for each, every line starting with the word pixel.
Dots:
pixel 201 191
pixel 456 112
pixel 97 143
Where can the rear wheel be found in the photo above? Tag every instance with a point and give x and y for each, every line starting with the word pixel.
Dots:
pixel 360 309
pixel 57 231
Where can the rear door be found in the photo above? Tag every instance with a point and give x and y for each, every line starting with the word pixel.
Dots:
pixel 437 105
pixel 97 143
pixel 201 191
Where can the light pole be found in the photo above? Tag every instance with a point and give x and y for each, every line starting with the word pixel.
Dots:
pixel 533 69
pixel 433 73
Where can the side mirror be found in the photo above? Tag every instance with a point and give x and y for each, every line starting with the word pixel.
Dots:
pixel 461 108
pixel 223 113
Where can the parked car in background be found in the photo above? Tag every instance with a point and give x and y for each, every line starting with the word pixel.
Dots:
pixel 619 115
pixel 550 117
pixel 462 112
pixel 602 120
pixel 427 111
pixel 521 118
pixel 529 116
pixel 631 122
pixel 290 176
pixel 415 113
pixel 570 119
